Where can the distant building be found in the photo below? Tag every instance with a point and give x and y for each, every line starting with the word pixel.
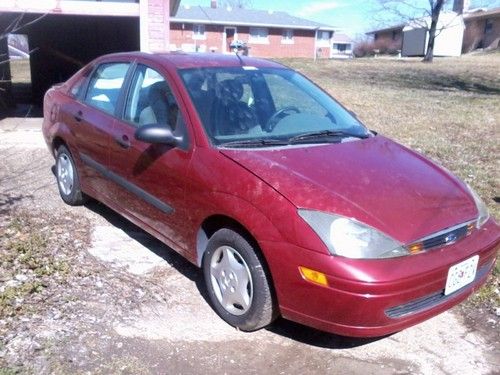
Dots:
pixel 341 46
pixel 448 41
pixel 482 29
pixel 266 33
pixel 389 37
pixel 462 32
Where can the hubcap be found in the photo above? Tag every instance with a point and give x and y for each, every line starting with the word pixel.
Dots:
pixel 65 174
pixel 231 280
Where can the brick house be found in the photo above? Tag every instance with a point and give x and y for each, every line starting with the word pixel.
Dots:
pixel 482 29
pixel 266 33
pixel 389 38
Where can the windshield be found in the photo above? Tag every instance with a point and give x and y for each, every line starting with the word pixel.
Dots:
pixel 266 106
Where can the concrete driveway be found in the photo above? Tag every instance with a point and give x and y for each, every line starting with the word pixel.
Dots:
pixel 141 308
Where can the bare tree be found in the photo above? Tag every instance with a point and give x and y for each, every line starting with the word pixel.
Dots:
pixel 415 13
pixel 436 7
pixel 16 25
pixel 237 4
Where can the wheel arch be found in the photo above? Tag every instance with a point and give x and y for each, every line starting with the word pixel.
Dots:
pixel 211 225
pixel 57 142
pixel 218 221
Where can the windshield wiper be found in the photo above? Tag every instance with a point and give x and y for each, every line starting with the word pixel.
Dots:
pixel 320 135
pixel 259 142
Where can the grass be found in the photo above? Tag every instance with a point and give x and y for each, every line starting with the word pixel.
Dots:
pixel 20 71
pixel 25 252
pixel 448 111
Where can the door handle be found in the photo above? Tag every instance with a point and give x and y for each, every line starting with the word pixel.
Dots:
pixel 78 116
pixel 123 141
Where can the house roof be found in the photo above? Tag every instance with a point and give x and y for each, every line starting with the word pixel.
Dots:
pixel 340 38
pixel 174 7
pixel 387 29
pixel 481 13
pixel 244 17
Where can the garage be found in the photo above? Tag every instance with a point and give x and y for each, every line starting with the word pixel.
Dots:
pixel 64 38
pixel 62 44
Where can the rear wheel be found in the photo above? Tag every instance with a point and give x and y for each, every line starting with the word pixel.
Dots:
pixel 68 180
pixel 237 283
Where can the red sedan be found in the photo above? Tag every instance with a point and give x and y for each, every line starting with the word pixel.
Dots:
pixel 287 202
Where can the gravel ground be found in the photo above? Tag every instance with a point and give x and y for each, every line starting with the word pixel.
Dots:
pixel 84 291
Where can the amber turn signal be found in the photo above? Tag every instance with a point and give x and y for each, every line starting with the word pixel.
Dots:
pixel 416 248
pixel 313 276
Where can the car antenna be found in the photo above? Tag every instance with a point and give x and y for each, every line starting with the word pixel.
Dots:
pixel 239 47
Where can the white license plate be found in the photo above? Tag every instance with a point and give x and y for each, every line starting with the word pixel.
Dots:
pixel 461 274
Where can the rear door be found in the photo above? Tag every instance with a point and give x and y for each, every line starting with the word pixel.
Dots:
pixel 93 120
pixel 152 177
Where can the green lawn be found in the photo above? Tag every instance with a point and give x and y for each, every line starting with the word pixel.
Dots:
pixel 448 111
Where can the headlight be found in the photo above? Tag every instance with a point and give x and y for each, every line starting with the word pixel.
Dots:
pixel 482 210
pixel 350 238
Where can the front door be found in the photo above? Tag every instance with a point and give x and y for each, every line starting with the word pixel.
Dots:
pixel 230 36
pixel 92 121
pixel 151 177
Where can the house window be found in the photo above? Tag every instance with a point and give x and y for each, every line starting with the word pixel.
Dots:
pixel 488 26
pixel 258 35
pixel 394 35
pixel 341 48
pixel 323 38
pixel 287 36
pixel 199 32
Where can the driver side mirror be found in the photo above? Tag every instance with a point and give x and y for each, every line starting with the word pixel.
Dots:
pixel 156 133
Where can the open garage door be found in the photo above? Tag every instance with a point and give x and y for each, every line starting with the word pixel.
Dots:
pixel 62 44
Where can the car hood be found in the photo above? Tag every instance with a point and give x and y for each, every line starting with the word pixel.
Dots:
pixel 376 181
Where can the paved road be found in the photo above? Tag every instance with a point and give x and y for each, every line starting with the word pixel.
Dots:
pixel 178 331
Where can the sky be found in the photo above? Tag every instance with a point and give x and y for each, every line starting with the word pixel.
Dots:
pixel 355 17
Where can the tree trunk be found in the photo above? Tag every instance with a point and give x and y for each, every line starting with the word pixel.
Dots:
pixel 436 11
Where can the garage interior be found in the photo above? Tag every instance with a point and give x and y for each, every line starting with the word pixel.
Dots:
pixel 60 45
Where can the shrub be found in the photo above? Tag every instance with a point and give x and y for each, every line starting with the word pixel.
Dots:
pixel 382 47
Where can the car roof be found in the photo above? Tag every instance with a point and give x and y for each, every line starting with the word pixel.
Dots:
pixel 184 60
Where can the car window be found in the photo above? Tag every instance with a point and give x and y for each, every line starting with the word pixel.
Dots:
pixel 150 100
pixel 249 103
pixel 287 94
pixel 105 85
pixel 77 89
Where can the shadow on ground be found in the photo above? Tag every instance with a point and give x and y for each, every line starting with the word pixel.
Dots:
pixel 282 327
pixel 9 201
pixel 22 110
pixel 448 83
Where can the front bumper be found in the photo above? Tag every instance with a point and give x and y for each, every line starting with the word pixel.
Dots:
pixel 369 298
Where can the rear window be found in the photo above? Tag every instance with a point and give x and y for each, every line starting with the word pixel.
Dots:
pixel 105 86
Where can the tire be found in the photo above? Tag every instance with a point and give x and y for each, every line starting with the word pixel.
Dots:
pixel 238 285
pixel 68 181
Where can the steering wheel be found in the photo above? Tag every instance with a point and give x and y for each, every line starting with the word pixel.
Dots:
pixel 277 116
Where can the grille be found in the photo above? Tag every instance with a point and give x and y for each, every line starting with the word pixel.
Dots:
pixel 445 237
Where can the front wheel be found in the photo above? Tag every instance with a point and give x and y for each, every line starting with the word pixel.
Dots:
pixel 68 180
pixel 237 282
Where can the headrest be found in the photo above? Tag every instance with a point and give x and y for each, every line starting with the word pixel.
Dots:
pixel 158 91
pixel 229 90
